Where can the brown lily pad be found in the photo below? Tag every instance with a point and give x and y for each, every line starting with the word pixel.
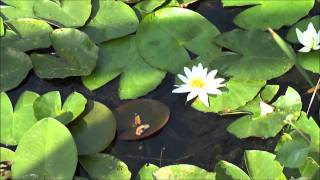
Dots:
pixel 140 118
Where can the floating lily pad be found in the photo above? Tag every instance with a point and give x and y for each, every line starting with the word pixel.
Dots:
pixel 287 108
pixel 225 170
pixel 112 19
pixel 27 34
pixel 146 7
pixel 14 67
pixel 49 105
pixel 236 94
pixel 146 172
pixel 183 171
pixel 78 55
pixel 105 167
pixel 176 29
pixel 122 56
pixel 310 169
pixel 6 157
pixel 63 13
pixel 46 151
pixel 310 61
pixel 96 121
pixel 263 14
pixel 15 123
pixel 302 25
pixel 251 47
pixel 150 112
pixel 17 9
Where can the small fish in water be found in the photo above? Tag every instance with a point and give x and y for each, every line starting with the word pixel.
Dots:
pixel 141 129
pixel 137 119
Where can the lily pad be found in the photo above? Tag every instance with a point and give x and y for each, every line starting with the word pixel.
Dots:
pixel 146 7
pixel 251 47
pixel 237 93
pixel 287 108
pixel 262 165
pixel 14 67
pixel 302 25
pixel 15 123
pixel 183 171
pixel 176 29
pixel 112 19
pixel 96 121
pixel 121 56
pixel 78 55
pixel 1 27
pixel 6 157
pixel 63 13
pixel 263 14
pixel 17 9
pixel 49 105
pixel 146 172
pixel 105 167
pixel 27 34
pixel 46 151
pixel 310 169
pixel 150 112
pixel 228 171
pixel 310 61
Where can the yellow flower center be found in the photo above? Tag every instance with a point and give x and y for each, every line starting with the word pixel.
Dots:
pixel 197 83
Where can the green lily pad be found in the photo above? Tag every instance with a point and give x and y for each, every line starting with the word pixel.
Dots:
pixel 46 151
pixel 310 61
pixel 228 171
pixel 146 172
pixel 183 171
pixel 145 7
pixel 49 105
pixel 176 29
pixel 263 14
pixel 237 93
pixel 27 34
pixel 293 152
pixel 6 157
pixel 310 169
pixel 78 55
pixel 121 56
pixel 150 112
pixel 17 9
pixel 302 25
pixel 287 108
pixel 262 165
pixel 251 47
pixel 15 123
pixel 112 19
pixel 96 121
pixel 14 67
pixel 268 92
pixel 130 1
pixel 63 13
pixel 105 167
pixel 1 27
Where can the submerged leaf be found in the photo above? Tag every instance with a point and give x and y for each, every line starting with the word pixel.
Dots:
pixel 15 66
pixel 274 14
pixel 121 56
pixel 176 29
pixel 46 151
pixel 78 55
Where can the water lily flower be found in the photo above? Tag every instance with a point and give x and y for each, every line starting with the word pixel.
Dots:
pixel 265 108
pixel 310 39
pixel 198 82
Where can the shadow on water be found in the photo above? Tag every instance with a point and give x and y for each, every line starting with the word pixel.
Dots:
pixel 190 136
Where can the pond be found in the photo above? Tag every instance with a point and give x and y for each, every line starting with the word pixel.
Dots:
pixel 190 136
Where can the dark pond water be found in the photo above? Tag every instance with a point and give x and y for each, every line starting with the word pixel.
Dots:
pixel 190 136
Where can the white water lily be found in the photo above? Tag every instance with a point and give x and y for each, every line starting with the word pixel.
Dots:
pixel 310 39
pixel 265 108
pixel 198 82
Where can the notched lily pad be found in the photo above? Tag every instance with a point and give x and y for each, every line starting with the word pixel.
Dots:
pixel 146 115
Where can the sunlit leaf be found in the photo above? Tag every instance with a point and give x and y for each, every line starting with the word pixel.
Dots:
pixel 96 121
pixel 263 14
pixel 228 171
pixel 122 57
pixel 46 151
pixel 105 167
pixel 17 9
pixel 310 169
pixel 1 27
pixel 146 172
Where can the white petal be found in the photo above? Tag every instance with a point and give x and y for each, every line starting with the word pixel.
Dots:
pixel 200 67
pixel 213 91
pixel 192 95
pixel 212 74
pixel 203 97
pixel 218 81
pixel 182 89
pixel 317 47
pixel 304 49
pixel 311 31
pixel 265 108
pixel 187 71
pixel 299 35
pixel 183 78
pixel 204 72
